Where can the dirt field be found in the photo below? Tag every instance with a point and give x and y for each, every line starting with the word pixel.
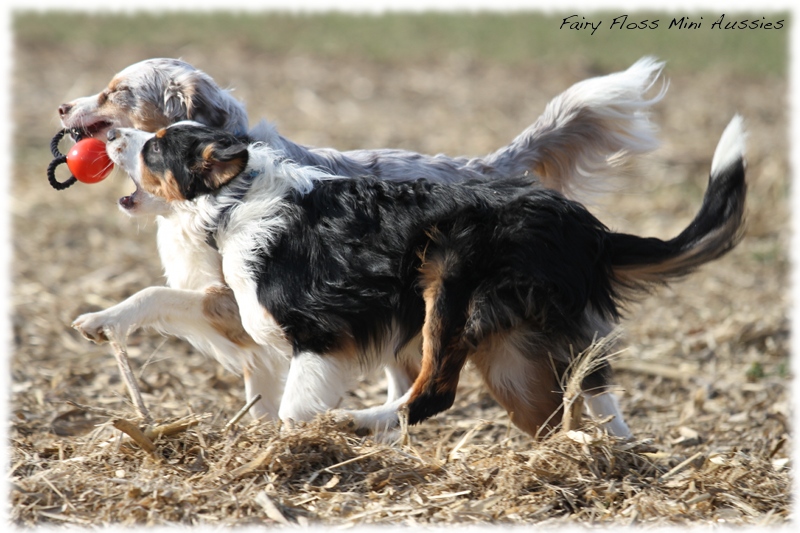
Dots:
pixel 704 381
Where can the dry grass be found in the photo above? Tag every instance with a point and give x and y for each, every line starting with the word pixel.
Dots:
pixel 316 474
pixel 704 382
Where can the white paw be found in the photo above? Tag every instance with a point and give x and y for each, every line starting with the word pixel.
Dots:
pixel 288 426
pixel 365 422
pixel 343 420
pixel 101 327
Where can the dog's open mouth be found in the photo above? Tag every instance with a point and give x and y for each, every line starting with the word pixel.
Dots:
pixel 91 130
pixel 127 202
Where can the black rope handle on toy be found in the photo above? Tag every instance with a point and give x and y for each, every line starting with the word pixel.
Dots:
pixel 59 159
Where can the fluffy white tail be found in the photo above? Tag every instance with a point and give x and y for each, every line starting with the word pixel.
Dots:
pixel 574 147
pixel 585 132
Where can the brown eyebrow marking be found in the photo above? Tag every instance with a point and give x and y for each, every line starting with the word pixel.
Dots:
pixel 102 98
pixel 113 84
pixel 162 185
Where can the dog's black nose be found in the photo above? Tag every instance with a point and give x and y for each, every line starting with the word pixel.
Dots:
pixel 112 134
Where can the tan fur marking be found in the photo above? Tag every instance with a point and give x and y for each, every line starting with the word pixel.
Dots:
pixel 345 350
pixel 163 186
pixel 441 363
pixel 189 91
pixel 149 117
pixel 430 340
pixel 208 152
pixel 115 82
pixel 556 164
pixel 145 116
pixel 680 264
pixel 222 311
pixel 528 390
pixel 218 173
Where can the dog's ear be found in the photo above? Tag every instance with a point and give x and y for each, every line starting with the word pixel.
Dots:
pixel 194 96
pixel 221 162
pixel 174 102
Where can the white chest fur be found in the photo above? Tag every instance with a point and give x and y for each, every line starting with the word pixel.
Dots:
pixel 189 263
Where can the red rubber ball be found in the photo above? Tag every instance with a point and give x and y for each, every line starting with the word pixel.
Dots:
pixel 88 161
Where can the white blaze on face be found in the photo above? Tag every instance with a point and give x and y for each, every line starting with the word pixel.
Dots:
pixel 124 149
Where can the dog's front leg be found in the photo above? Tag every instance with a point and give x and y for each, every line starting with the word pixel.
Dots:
pixel 316 384
pixel 157 307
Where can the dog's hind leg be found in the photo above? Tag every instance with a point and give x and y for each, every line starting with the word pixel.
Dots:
pixel 601 402
pixel 443 355
pixel 602 405
pixel 523 379
pixel 444 351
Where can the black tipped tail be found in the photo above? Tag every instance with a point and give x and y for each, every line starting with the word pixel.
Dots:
pixel 716 229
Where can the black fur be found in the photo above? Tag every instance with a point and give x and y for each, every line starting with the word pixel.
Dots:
pixel 357 255
pixel 348 262
pixel 184 157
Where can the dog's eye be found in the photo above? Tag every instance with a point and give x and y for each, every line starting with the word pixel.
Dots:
pixel 151 147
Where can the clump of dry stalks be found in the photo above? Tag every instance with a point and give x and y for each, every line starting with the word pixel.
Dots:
pixel 192 470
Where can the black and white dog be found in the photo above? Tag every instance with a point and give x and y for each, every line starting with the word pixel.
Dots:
pixel 575 144
pixel 336 274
